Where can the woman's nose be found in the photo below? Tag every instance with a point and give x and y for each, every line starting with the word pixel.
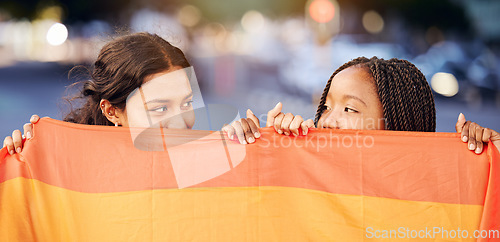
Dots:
pixel 331 120
pixel 175 121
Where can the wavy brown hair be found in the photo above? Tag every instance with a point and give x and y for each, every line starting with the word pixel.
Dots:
pixel 406 97
pixel 120 68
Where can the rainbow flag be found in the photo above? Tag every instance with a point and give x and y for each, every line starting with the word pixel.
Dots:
pixel 90 183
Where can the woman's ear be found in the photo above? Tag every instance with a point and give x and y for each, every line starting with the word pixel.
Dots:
pixel 110 112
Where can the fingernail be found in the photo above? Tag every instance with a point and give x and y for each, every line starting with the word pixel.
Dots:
pixel 243 142
pixel 18 150
pixel 28 135
pixel 232 137
pixel 277 105
pixel 294 134
pixel 279 131
pixel 464 139
pixel 471 146
pixel 251 140
pixel 286 133
pixel 250 111
pixel 478 151
pixel 461 114
pixel 257 134
pixel 11 152
pixel 304 132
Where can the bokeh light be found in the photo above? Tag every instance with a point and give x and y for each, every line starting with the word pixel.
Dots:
pixel 252 21
pixel 321 11
pixel 445 84
pixel 57 34
pixel 373 22
pixel 189 16
pixel 53 13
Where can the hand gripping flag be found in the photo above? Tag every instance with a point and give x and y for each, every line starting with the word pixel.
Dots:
pixel 89 183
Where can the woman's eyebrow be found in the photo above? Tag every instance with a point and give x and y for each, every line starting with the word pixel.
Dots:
pixel 158 100
pixel 356 98
pixel 189 95
pixel 163 100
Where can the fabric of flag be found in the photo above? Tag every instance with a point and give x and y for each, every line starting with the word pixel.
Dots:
pixel 89 183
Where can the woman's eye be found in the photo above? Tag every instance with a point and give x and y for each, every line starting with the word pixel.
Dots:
pixel 160 109
pixel 187 104
pixel 328 108
pixel 350 110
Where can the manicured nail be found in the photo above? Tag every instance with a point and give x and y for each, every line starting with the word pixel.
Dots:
pixel 464 139
pixel 304 132
pixel 243 142
pixel 279 131
pixel 232 137
pixel 257 134
pixel 478 151
pixel 18 150
pixel 471 146
pixel 28 135
pixel 251 140
pixel 249 111
pixel 461 114
pixel 294 134
pixel 11 152
pixel 286 133
pixel 32 119
pixel 277 105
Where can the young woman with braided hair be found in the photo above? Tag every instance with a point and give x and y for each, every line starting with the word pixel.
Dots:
pixel 378 94
pixel 404 97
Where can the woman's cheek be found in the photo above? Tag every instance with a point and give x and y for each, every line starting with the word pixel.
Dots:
pixel 157 118
pixel 369 124
pixel 373 123
pixel 352 123
pixel 138 119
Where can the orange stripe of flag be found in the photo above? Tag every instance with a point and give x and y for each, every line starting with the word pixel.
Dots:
pixel 401 165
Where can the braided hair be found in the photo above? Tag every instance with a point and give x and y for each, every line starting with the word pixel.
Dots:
pixel 406 97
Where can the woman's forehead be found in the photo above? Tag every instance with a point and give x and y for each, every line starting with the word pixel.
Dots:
pixel 354 80
pixel 163 85
pixel 173 70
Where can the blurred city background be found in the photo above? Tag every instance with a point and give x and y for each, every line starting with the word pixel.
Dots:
pixel 254 53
